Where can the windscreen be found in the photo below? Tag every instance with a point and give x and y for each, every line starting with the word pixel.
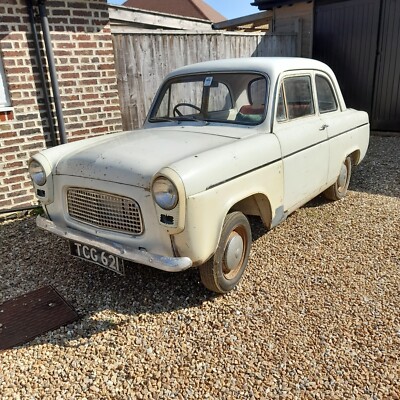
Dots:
pixel 236 98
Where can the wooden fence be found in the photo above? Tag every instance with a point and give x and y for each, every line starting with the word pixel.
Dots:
pixel 143 59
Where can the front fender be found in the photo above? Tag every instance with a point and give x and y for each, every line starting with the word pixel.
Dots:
pixel 206 211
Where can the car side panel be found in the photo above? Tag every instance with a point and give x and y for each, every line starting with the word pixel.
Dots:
pixel 206 211
pixel 305 154
pixel 214 167
pixel 348 131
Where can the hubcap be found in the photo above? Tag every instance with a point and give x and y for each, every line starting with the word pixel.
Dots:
pixel 234 251
pixel 342 176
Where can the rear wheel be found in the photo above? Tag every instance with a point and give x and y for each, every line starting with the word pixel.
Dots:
pixel 339 189
pixel 225 269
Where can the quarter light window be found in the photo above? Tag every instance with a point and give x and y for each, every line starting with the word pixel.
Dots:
pixel 4 96
pixel 281 114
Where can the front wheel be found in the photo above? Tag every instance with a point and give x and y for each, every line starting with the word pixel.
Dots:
pixel 339 189
pixel 225 269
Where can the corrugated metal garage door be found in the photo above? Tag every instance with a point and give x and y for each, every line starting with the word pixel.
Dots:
pixel 386 105
pixel 345 37
pixel 360 40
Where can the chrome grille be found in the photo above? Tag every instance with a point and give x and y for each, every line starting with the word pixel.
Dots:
pixel 105 210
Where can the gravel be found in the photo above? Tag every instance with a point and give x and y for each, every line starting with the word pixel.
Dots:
pixel 317 315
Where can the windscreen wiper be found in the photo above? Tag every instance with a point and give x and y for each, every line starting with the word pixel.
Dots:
pixel 162 119
pixel 189 118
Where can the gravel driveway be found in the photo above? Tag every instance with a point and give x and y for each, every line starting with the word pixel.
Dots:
pixel 316 316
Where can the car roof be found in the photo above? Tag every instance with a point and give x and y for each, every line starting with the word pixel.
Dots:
pixel 273 66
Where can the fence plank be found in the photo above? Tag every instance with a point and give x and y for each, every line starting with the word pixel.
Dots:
pixel 144 58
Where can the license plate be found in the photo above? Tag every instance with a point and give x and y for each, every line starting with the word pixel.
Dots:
pixel 97 256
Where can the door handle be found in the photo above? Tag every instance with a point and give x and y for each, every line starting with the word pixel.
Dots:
pixel 323 127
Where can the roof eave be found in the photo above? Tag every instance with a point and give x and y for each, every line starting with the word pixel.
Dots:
pixel 270 4
pixel 232 23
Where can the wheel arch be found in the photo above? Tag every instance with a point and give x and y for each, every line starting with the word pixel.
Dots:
pixel 355 157
pixel 199 240
pixel 256 204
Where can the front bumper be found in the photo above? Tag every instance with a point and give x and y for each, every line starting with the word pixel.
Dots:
pixel 169 264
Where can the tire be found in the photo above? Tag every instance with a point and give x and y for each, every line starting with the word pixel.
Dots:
pixel 339 189
pixel 225 269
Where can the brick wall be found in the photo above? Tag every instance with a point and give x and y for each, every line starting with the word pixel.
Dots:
pixel 82 44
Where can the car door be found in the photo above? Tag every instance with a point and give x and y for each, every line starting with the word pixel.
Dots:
pixel 303 139
pixel 336 123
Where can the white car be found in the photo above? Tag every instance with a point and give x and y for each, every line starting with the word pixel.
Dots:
pixel 223 140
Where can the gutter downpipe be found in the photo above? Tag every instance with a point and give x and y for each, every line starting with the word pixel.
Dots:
pixel 53 136
pixel 52 70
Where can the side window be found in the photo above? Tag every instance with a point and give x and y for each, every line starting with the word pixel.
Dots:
pixel 257 91
pixel 298 95
pixel 4 96
pixel 325 94
pixel 281 114
pixel 220 98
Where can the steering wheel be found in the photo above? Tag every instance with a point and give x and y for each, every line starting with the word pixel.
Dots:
pixel 177 113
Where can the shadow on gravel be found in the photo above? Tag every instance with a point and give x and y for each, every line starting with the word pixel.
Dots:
pixel 142 291
pixel 31 259
pixel 379 172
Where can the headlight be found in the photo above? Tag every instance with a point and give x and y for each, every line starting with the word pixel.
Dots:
pixel 37 173
pixel 165 193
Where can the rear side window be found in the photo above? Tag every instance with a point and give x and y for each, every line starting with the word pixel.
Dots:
pixel 326 97
pixel 295 98
pixel 257 91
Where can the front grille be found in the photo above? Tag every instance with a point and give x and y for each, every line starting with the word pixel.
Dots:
pixel 105 210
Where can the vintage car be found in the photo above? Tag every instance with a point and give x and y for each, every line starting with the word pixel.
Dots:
pixel 223 140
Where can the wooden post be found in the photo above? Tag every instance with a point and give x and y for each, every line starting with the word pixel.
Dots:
pixel 298 28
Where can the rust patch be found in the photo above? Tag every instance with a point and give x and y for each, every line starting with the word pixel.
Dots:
pixel 32 314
